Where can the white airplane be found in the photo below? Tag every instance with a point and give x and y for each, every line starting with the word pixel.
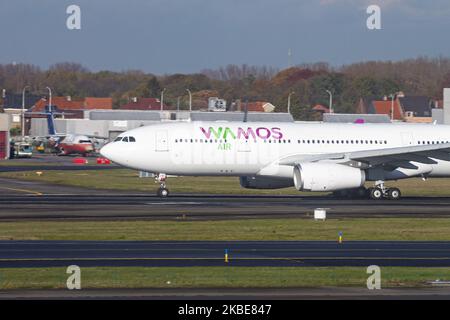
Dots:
pixel 321 157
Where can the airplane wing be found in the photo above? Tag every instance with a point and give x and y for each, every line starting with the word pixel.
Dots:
pixel 395 157
pixel 48 137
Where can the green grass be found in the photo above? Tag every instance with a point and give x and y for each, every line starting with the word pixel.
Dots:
pixel 264 229
pixel 217 277
pixel 261 229
pixel 124 179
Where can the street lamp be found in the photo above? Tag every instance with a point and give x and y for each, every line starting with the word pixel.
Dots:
pixel 190 100
pixel 23 110
pixel 392 96
pixel 331 101
pixel 162 98
pixel 289 102
pixel 49 98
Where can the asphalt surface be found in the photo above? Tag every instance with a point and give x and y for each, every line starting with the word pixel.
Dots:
pixel 39 254
pixel 234 294
pixel 36 200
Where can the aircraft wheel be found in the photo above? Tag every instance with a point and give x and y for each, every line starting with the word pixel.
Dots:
pixel 376 194
pixel 163 192
pixel 394 194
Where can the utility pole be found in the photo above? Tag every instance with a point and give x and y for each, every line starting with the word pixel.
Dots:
pixel 190 100
pixel 331 101
pixel 162 99
pixel 392 96
pixel 49 98
pixel 289 102
pixel 2 104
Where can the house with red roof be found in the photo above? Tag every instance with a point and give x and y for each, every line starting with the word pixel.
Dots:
pixel 320 108
pixel 388 107
pixel 257 106
pixel 73 108
pixel 144 104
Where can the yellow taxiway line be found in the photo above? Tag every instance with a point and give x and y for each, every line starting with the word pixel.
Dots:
pixel 23 190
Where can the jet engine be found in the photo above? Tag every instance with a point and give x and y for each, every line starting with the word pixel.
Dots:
pixel 265 183
pixel 316 176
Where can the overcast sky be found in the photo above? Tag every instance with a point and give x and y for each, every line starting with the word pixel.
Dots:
pixel 170 36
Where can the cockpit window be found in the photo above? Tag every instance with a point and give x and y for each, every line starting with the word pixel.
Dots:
pixel 125 139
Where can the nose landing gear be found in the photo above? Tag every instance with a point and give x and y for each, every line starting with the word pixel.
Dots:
pixel 162 192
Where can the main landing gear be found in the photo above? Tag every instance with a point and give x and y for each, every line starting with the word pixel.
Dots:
pixel 162 192
pixel 380 192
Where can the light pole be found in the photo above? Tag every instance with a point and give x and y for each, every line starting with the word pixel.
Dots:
pixel 49 98
pixel 23 110
pixel 331 101
pixel 289 102
pixel 162 98
pixel 392 96
pixel 190 100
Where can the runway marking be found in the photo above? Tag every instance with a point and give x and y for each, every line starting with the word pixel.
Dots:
pixel 221 259
pixel 172 203
pixel 24 190
pixel 236 251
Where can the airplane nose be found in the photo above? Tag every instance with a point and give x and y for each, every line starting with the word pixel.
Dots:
pixel 107 152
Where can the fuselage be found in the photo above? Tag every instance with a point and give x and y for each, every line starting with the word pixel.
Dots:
pixel 76 144
pixel 245 149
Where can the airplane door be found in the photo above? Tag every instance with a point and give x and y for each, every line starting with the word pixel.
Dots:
pixel 407 139
pixel 162 143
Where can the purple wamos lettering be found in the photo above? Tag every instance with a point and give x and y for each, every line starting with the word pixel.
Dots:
pixel 276 133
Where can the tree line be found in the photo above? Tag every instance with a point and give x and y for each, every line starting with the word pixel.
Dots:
pixel 307 83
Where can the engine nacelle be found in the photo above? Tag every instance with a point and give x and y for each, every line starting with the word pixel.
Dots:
pixel 265 183
pixel 327 177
